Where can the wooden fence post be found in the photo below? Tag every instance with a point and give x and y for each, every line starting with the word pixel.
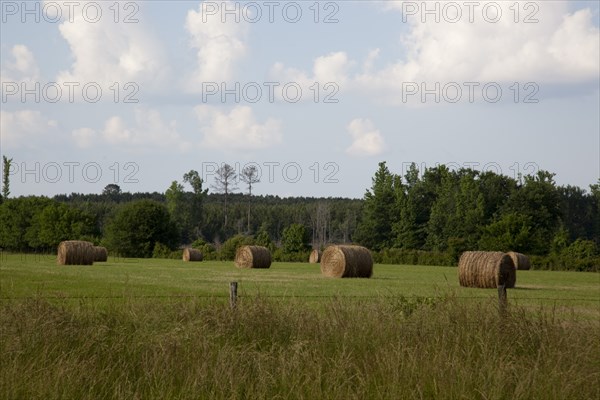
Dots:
pixel 502 300
pixel 233 294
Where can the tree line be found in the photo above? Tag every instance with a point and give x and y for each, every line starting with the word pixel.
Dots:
pixel 423 217
pixel 440 213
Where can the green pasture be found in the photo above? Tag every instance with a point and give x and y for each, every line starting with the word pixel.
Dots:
pixel 26 275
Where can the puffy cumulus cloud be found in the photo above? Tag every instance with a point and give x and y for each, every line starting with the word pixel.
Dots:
pixel 22 67
pixel 562 47
pixel 148 132
pixel 26 129
pixel 219 44
pixel 333 68
pixel 106 52
pixel 576 43
pixel 366 138
pixel 236 130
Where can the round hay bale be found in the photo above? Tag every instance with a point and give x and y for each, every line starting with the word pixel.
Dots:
pixel 521 261
pixel 342 261
pixel 75 252
pixel 100 254
pixel 190 254
pixel 253 257
pixel 486 269
pixel 315 257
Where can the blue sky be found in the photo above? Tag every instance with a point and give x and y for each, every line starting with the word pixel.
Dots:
pixel 511 87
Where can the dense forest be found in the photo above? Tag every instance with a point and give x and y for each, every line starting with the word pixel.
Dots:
pixel 423 217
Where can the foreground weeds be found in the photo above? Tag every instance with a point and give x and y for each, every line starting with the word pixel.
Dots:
pixel 267 349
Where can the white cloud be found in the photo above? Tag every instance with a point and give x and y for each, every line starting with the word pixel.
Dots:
pixel 84 137
pixel 25 128
pixel 106 52
pixel 366 138
pixel 576 45
pixel 219 44
pixel 237 130
pixel 561 47
pixel 331 68
pixel 115 132
pixel 148 132
pixel 22 68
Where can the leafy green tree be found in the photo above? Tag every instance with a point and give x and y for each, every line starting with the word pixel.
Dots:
pixel 512 231
pixel 539 200
pixel 112 191
pixel 16 216
pixel 457 212
pixel 199 195
pixel 469 215
pixel 379 211
pixel 296 238
pixel 496 189
pixel 595 211
pixel 263 239
pixel 582 249
pixel 560 241
pixel 442 216
pixel 177 208
pixel 138 226
pixel 577 212
pixel 58 222
pixel 410 230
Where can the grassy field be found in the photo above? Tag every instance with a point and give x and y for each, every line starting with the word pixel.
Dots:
pixel 163 329
pixel 34 275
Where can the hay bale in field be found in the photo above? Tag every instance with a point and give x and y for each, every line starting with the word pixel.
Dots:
pixel 75 252
pixel 521 261
pixel 190 254
pixel 100 254
pixel 315 257
pixel 486 269
pixel 342 261
pixel 253 257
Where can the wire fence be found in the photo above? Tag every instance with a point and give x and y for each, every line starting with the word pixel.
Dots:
pixel 284 296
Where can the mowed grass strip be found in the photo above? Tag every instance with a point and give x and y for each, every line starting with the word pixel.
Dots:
pixel 24 275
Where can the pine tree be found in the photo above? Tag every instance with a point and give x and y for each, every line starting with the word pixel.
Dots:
pixel 379 211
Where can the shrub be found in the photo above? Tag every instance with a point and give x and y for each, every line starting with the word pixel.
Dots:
pixel 299 256
pixel 581 255
pixel 227 251
pixel 163 251
pixel 413 257
pixel 295 239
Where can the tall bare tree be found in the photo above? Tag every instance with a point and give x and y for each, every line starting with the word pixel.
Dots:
pixel 321 224
pixel 225 183
pixel 250 176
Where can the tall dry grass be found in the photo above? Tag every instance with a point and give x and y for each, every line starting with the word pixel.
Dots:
pixel 383 348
